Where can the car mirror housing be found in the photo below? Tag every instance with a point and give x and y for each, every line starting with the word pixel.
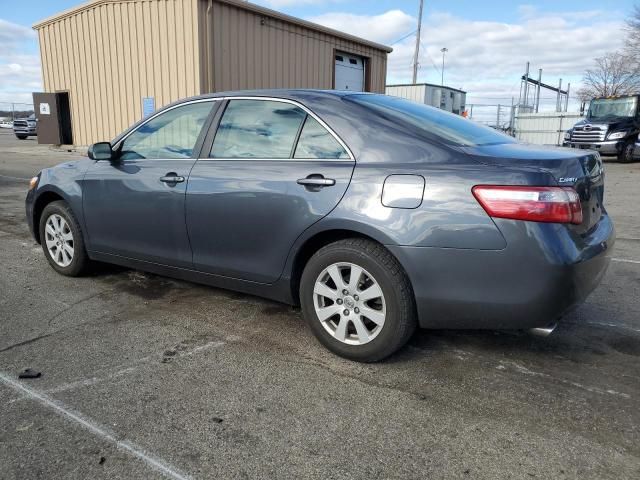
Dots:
pixel 100 151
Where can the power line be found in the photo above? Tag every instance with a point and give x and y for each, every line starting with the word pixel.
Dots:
pixel 429 57
pixel 403 37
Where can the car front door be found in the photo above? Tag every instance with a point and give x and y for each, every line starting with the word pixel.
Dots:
pixel 134 204
pixel 272 171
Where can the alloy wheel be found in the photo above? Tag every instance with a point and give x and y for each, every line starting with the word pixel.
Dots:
pixel 349 303
pixel 628 153
pixel 59 240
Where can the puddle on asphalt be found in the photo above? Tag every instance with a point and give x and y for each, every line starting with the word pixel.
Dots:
pixel 148 287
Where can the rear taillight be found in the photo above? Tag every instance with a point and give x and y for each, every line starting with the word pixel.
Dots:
pixel 535 204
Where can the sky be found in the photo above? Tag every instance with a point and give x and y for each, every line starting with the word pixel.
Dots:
pixel 488 42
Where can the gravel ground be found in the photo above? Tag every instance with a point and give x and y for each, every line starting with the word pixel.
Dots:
pixel 149 377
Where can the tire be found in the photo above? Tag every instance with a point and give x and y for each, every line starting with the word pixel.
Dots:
pixel 21 137
pixel 68 234
pixel 340 333
pixel 626 153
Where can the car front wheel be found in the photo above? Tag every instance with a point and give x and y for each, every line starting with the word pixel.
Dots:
pixel 61 240
pixel 626 153
pixel 357 300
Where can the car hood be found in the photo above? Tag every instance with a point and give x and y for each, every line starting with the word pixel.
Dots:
pixel 68 171
pixel 617 123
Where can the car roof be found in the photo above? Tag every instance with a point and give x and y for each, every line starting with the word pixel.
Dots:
pixel 294 92
pixel 286 93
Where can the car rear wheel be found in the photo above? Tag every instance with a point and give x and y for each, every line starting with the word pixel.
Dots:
pixel 626 153
pixel 357 300
pixel 61 239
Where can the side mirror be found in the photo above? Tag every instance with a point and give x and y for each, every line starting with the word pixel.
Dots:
pixel 100 151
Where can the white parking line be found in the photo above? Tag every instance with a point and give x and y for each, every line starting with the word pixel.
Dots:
pixel 15 178
pixel 525 371
pixel 133 449
pixel 131 368
pixel 625 260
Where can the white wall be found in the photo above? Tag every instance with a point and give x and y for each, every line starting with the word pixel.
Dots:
pixel 439 97
pixel 545 128
pixel 415 93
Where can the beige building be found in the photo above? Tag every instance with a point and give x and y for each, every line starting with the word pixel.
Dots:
pixel 114 60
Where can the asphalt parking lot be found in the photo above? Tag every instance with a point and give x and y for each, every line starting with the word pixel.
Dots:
pixel 148 377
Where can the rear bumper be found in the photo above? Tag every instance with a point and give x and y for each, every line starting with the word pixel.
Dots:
pixel 611 147
pixel 527 285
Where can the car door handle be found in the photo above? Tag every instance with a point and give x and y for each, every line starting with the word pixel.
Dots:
pixel 172 178
pixel 316 181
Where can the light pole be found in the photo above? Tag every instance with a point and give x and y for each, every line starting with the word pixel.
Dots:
pixel 443 50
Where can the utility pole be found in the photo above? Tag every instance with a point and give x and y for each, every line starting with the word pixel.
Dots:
pixel 538 90
pixel 526 88
pixel 443 50
pixel 558 101
pixel 417 51
pixel 512 114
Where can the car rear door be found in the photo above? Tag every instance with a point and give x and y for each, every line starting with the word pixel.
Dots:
pixel 134 205
pixel 269 170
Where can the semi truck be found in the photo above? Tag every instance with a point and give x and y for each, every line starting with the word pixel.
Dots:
pixel 610 127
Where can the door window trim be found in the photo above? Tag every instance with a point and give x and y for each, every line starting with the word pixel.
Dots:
pixel 201 136
pixel 215 125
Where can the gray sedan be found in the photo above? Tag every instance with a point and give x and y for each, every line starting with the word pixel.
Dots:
pixel 375 214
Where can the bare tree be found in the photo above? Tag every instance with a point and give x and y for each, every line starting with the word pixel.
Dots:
pixel 613 74
pixel 633 35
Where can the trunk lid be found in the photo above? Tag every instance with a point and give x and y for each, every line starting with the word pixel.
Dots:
pixel 580 169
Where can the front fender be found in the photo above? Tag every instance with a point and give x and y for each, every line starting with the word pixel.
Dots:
pixel 64 182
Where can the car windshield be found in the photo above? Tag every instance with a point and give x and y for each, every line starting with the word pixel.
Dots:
pixel 603 108
pixel 452 129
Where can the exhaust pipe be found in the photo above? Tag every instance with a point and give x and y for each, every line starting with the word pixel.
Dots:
pixel 543 331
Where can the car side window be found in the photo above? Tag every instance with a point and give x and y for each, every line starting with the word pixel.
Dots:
pixel 172 134
pixel 257 129
pixel 316 142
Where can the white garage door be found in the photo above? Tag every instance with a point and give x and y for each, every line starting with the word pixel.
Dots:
pixel 349 72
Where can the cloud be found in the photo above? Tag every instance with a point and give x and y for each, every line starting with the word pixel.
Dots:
pixel 487 58
pixel 12 34
pixel 19 70
pixel 383 28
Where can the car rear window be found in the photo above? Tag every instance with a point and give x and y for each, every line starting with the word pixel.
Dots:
pixel 450 128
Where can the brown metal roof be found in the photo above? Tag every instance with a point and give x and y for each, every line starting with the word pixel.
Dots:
pixel 304 23
pixel 237 3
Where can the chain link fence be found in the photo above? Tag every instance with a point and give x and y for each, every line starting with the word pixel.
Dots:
pixel 498 116
pixel 12 111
